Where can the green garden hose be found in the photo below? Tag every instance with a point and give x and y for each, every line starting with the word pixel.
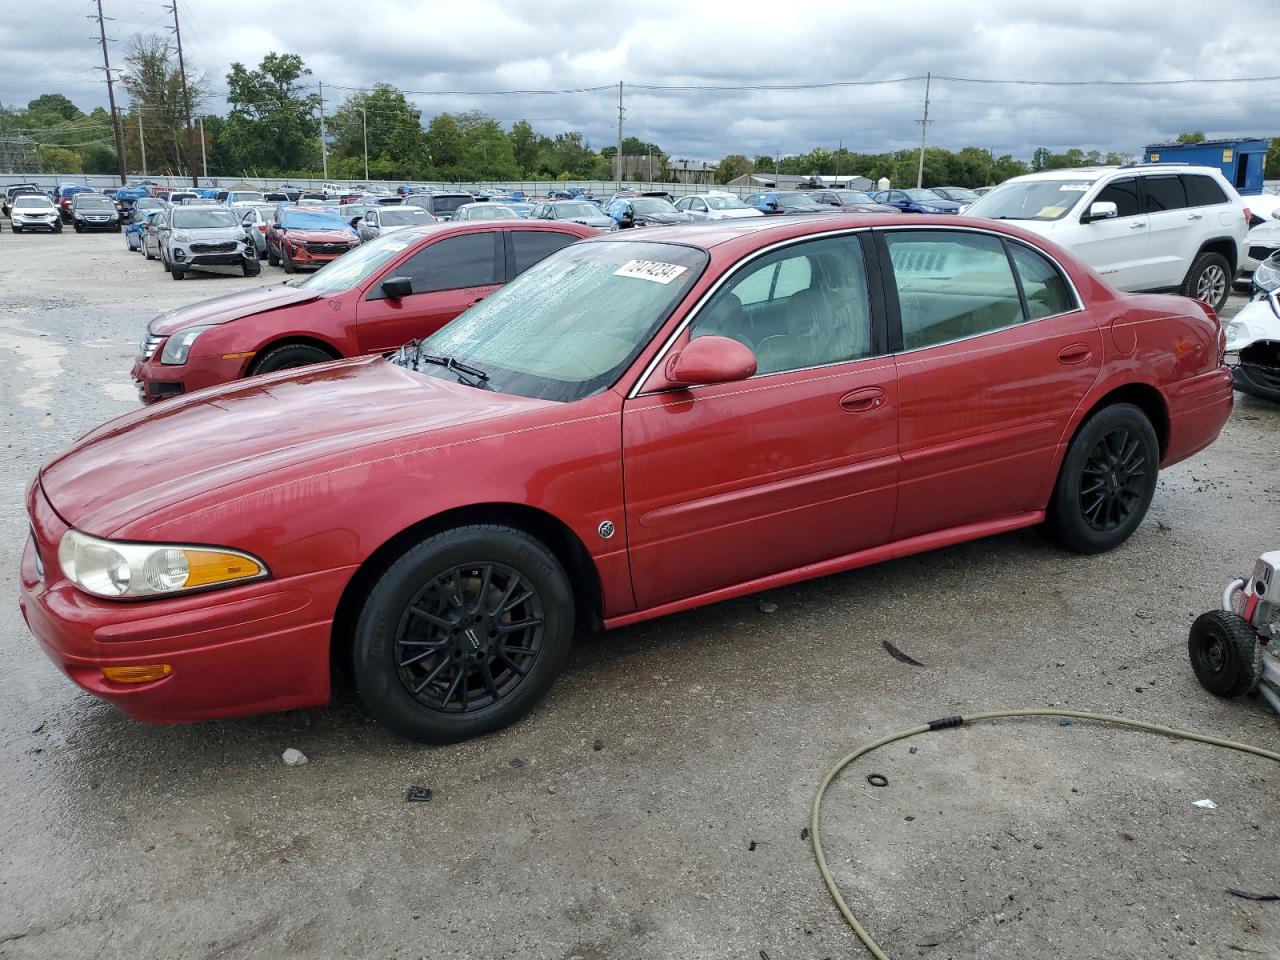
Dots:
pixel 816 837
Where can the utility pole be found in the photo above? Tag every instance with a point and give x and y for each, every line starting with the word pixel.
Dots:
pixel 619 156
pixel 142 141
pixel 204 161
pixel 186 96
pixel 924 127
pixel 324 147
pixel 364 119
pixel 111 96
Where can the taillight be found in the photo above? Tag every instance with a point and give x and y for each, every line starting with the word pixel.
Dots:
pixel 262 227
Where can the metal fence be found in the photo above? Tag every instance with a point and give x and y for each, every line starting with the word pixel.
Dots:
pixel 597 188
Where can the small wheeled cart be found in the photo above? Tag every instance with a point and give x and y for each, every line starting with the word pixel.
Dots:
pixel 1233 650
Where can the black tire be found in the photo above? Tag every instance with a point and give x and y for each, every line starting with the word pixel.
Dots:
pixel 1117 452
pixel 57 227
pixel 504 685
pixel 287 356
pixel 79 229
pixel 272 259
pixel 147 253
pixel 1225 653
pixel 251 268
pixel 1209 279
pixel 178 273
pixel 288 262
pixel 15 229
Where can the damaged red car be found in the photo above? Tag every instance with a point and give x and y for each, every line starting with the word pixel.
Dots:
pixel 379 296
pixel 307 237
pixel 634 427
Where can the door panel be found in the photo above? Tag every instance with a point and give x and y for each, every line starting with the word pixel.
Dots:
pixel 1173 246
pixel 798 464
pixel 1119 248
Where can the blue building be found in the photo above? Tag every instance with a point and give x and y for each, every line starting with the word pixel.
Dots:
pixel 1241 161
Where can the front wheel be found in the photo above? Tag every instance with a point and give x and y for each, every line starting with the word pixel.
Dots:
pixel 463 634
pixel 178 273
pixel 251 268
pixel 1225 653
pixel 272 259
pixel 288 263
pixel 1106 482
pixel 1209 279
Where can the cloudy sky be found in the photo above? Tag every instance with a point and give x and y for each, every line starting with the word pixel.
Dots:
pixel 561 44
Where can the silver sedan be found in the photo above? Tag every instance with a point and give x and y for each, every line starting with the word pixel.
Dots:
pixel 380 220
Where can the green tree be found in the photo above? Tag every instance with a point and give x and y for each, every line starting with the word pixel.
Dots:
pixel 525 143
pixel 273 118
pixel 60 160
pixel 154 84
pixel 395 132
pixel 1196 136
pixel 51 108
pixel 732 167
pixel 487 152
pixel 1272 169
pixel 444 144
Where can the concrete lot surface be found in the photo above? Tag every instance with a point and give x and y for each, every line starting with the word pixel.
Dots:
pixel 652 806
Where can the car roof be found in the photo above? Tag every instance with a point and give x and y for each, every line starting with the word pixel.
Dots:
pixel 1097 173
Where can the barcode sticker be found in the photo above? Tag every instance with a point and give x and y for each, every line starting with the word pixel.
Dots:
pixel 654 270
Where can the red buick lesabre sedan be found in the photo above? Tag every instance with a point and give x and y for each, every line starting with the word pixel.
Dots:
pixel 374 299
pixel 633 427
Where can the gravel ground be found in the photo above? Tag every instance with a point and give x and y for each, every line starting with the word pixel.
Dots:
pixel 652 806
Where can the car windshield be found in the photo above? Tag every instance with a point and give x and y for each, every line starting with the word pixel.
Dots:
pixel 148 203
pixel 196 218
pixel 1030 200
pixel 490 212
pixel 242 196
pixel 574 209
pixel 961 194
pixel 647 205
pixel 795 201
pixel 355 267
pixel 854 196
pixel 32 202
pixel 725 203
pixel 449 204
pixel 923 196
pixel 399 216
pixel 307 220
pixel 547 335
pixel 86 200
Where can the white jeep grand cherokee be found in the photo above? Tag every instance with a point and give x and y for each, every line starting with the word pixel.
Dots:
pixel 1164 226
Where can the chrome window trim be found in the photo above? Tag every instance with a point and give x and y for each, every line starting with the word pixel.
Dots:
pixel 711 291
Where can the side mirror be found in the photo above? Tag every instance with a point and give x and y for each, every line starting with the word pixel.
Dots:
pixel 772 204
pixel 1102 210
pixel 397 288
pixel 709 360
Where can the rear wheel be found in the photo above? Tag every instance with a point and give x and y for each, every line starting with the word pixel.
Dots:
pixel 1209 279
pixel 1225 653
pixel 287 356
pixel 1106 482
pixel 463 634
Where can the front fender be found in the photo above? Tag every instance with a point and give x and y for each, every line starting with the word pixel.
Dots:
pixel 1259 320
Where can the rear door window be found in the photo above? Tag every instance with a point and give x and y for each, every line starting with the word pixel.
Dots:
pixel 1124 194
pixel 1043 284
pixel 951 286
pixel 530 246
pixel 1164 193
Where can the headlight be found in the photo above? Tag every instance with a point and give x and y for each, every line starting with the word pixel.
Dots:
pixel 1267 277
pixel 124 570
pixel 181 237
pixel 928 209
pixel 178 347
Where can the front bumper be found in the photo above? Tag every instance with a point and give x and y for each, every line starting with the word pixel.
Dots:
pixel 51 222
pixel 158 381
pixel 252 649
pixel 110 224
pixel 197 254
pixel 302 257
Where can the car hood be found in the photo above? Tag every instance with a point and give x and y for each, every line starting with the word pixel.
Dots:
pixel 215 444
pixel 1256 321
pixel 601 221
pixel 232 306
pixel 312 235
pixel 736 214
pixel 939 203
pixel 677 217
pixel 211 234
pixel 1266 234
pixel 871 208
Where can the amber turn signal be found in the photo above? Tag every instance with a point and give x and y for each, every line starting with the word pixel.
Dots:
pixel 144 673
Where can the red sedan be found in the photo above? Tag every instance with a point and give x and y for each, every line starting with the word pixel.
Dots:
pixel 379 296
pixel 636 426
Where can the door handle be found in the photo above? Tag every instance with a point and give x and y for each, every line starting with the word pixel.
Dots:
pixel 1137 226
pixel 862 400
pixel 1195 216
pixel 1075 353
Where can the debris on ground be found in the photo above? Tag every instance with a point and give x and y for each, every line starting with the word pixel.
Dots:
pixel 877 779
pixel 416 794
pixel 1064 722
pixel 751 847
pixel 804 833
pixel 899 655
pixel 517 762
pixel 293 758
pixel 1205 805
pixel 767 606
pixel 1247 895
pixel 598 745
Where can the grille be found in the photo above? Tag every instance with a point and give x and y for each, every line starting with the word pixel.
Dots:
pixel 326 248
pixel 1261 253
pixel 227 247
pixel 149 344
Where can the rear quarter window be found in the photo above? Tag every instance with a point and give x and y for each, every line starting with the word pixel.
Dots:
pixel 1202 191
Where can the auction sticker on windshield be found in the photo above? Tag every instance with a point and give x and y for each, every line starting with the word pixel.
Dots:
pixel 654 270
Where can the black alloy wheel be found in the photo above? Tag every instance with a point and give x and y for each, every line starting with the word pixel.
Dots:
pixel 1115 475
pixel 464 633
pixel 469 638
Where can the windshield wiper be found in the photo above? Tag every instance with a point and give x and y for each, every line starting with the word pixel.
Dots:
pixel 462 370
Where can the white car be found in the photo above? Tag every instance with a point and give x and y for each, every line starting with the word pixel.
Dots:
pixel 1264 240
pixel 1149 227
pixel 382 220
pixel 485 211
pixel 716 206
pixel 34 212
pixel 1253 336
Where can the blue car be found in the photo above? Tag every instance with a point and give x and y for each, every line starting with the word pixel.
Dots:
pixel 918 200
pixel 134 232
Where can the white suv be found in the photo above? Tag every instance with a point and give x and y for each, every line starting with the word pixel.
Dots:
pixel 1164 226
